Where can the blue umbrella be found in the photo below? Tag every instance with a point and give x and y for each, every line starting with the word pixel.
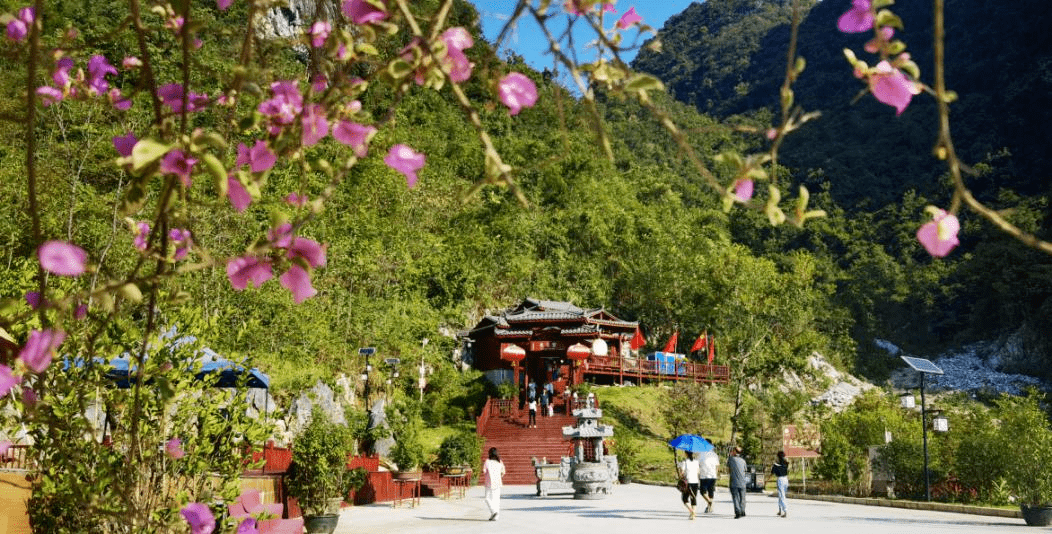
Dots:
pixel 691 443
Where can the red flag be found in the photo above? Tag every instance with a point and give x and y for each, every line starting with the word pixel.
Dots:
pixel 701 343
pixel 637 340
pixel 712 349
pixel 671 345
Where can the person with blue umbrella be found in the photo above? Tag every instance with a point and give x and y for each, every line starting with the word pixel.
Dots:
pixel 689 470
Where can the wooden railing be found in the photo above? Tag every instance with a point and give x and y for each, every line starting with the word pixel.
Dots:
pixel 16 457
pixel 651 370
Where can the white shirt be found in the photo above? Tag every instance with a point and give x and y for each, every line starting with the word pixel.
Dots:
pixel 690 470
pixel 493 471
pixel 710 465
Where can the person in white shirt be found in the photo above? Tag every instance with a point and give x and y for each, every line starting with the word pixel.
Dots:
pixel 689 470
pixel 532 423
pixel 493 476
pixel 710 471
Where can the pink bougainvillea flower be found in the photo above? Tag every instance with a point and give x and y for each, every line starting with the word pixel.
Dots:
pixel 517 91
pixel 284 106
pixel 743 190
pixel 315 124
pixel 242 271
pixel 61 74
pixel 18 27
pixel 319 32
pixel 223 4
pixel 118 101
pixel 296 199
pixel 33 299
pixel 180 164
pixel 457 39
pixel 80 312
pixel 319 83
pixel 629 18
pixel 49 95
pixel 17 30
pixel 237 194
pixel 297 281
pixel 131 62
pixel 36 354
pixel 199 517
pixel 363 11
pixel 61 258
pixel 171 95
pixel 309 250
pixel 174 448
pixel 7 380
pixel 354 135
pixel 890 86
pixel 98 68
pixel 182 240
pixel 4 444
pixel 883 37
pixel 406 161
pixel 125 143
pixel 142 234
pixel 247 526
pixel 857 19
pixel 281 236
pixel 29 397
pixel 259 158
pixel 939 236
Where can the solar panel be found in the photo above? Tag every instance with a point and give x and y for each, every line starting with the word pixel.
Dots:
pixel 922 365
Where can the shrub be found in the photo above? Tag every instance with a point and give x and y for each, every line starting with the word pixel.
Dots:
pixel 318 474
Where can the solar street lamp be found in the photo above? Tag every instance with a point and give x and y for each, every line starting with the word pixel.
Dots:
pixel 924 367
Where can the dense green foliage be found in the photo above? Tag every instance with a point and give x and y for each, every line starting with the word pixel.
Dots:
pixel 319 474
pixel 876 169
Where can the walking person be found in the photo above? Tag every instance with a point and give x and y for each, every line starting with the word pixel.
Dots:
pixel 710 471
pixel 780 470
pixel 736 470
pixel 533 414
pixel 493 476
pixel 689 470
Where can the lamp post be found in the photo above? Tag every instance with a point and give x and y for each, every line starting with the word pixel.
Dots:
pixel 366 351
pixel 392 363
pixel 924 367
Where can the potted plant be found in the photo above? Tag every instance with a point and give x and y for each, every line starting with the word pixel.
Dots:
pixel 1026 440
pixel 627 449
pixel 318 477
pixel 459 452
pixel 408 451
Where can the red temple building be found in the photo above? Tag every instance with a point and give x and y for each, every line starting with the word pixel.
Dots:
pixel 542 341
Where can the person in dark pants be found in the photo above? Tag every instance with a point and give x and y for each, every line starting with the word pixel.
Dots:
pixel 736 469
pixel 533 414
pixel 780 470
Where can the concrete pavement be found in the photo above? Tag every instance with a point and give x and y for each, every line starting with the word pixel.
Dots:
pixel 643 509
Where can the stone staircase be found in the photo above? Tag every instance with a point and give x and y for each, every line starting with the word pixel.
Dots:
pixel 518 445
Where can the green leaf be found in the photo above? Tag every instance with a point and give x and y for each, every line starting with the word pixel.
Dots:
pixel 147 151
pixel 215 168
pixel 887 18
pixel 399 69
pixel 644 82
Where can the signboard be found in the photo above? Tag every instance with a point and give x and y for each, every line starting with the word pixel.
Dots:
pixel 538 346
pixel 801 441
pixel 366 351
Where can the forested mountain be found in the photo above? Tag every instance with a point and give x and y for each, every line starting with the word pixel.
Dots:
pixel 727 57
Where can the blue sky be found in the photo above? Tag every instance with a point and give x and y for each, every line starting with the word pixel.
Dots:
pixel 529 42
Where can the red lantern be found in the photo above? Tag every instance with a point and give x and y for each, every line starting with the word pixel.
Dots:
pixel 512 352
pixel 578 352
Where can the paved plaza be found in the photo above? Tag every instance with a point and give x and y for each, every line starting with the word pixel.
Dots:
pixel 643 509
